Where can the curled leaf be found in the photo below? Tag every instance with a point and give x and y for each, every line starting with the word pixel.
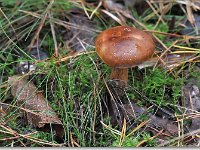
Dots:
pixel 38 112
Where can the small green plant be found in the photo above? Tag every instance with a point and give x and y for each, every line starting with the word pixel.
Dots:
pixel 162 27
pixel 128 142
pixel 161 87
pixel 134 141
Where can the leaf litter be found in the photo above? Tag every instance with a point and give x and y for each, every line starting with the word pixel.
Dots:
pixel 131 112
pixel 36 108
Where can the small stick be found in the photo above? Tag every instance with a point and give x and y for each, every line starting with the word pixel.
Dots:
pixel 36 36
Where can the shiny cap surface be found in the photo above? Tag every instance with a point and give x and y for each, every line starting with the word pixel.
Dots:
pixel 124 46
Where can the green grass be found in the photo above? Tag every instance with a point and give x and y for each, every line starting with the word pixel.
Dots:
pixel 134 141
pixel 77 94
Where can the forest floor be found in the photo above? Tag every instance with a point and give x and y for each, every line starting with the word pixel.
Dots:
pixel 54 88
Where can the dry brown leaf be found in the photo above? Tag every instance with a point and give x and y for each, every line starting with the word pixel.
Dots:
pixel 191 102
pixel 3 110
pixel 133 111
pixel 39 113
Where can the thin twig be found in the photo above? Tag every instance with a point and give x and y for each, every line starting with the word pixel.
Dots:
pixel 181 137
pixel 36 36
pixel 54 36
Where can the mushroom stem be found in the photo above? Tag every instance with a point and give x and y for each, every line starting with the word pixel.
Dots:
pixel 120 74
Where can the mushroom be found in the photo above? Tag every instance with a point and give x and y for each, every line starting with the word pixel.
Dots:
pixel 123 47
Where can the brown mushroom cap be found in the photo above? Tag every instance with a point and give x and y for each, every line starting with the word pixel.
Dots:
pixel 124 46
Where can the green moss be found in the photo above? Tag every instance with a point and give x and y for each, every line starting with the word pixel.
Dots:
pixel 161 87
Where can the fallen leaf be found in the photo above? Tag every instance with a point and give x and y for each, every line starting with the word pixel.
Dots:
pixel 79 39
pixel 191 102
pixel 119 107
pixel 133 111
pixel 38 112
pixel 189 28
pixel 3 110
